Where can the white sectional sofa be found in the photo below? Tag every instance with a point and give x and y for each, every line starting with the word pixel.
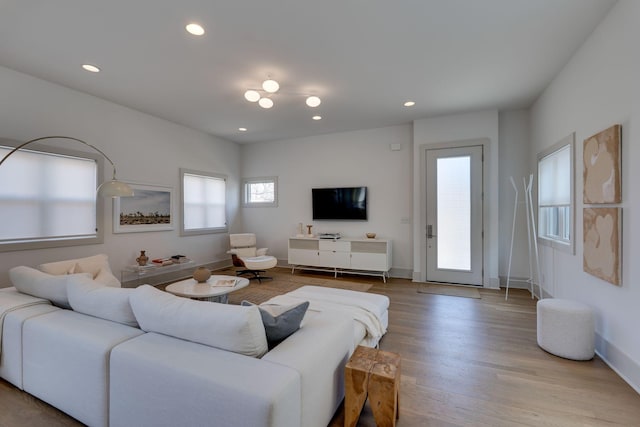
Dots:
pixel 104 372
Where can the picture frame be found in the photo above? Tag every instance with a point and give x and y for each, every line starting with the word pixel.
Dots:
pixel 601 167
pixel 602 234
pixel 150 209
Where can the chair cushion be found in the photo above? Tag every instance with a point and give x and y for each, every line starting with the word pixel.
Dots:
pixel 39 284
pixel 227 327
pixel 244 252
pixel 242 240
pixel 90 297
pixel 260 262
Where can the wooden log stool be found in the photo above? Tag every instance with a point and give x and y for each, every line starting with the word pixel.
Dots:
pixel 375 373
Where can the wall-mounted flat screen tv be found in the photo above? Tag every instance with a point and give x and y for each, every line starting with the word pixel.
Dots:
pixel 340 203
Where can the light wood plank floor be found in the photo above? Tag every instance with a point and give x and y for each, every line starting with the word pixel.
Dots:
pixel 465 362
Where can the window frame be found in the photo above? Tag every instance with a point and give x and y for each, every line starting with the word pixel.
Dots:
pixel 246 182
pixel 98 237
pixel 559 243
pixel 209 230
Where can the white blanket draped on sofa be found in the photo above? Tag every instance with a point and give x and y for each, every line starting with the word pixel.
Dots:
pixel 361 311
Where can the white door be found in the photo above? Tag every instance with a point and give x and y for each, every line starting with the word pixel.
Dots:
pixel 454 215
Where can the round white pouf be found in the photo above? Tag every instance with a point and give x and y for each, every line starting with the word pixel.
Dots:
pixel 566 328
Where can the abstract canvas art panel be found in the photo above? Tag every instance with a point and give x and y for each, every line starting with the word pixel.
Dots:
pixel 602 252
pixel 601 172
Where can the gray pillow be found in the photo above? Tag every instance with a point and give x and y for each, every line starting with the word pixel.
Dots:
pixel 280 321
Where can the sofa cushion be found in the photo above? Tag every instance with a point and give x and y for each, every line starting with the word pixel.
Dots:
pixel 91 297
pixel 280 321
pixel 66 362
pixel 227 327
pixel 38 284
pixel 97 265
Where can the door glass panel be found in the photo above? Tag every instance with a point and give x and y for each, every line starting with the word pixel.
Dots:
pixel 454 213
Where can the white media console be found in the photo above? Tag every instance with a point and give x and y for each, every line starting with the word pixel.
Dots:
pixel 358 256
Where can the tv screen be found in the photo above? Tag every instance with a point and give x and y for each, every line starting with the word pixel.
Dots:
pixel 340 203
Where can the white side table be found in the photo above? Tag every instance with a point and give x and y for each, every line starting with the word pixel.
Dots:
pixel 189 288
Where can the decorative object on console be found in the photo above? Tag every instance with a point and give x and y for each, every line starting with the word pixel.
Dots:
pixel 149 210
pixel 142 259
pixel 201 274
pixel 309 233
pixel 371 235
pixel 113 188
pixel 300 230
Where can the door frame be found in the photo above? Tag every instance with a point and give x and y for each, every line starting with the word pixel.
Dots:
pixel 486 145
pixel 475 275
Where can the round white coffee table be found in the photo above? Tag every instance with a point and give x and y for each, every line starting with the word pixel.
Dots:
pixel 207 291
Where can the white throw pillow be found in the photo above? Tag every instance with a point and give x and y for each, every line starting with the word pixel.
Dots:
pixel 90 297
pixel 227 327
pixel 38 284
pixel 106 278
pixel 92 264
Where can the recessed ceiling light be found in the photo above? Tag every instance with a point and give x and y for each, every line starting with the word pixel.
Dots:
pixel 409 103
pixel 195 29
pixel 313 101
pixel 91 68
pixel 242 129
pixel 317 117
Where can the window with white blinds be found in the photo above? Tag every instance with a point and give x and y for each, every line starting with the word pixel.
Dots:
pixel 47 200
pixel 203 202
pixel 555 195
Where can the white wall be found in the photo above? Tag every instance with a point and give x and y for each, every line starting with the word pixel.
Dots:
pixel 460 127
pixel 336 160
pixel 514 162
pixel 596 89
pixel 144 149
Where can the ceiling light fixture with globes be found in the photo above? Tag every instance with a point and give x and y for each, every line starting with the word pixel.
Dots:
pixel 270 87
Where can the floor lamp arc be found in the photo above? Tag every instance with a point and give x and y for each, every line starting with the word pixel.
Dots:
pixel 113 188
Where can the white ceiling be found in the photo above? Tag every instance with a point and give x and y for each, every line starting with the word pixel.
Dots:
pixel 364 58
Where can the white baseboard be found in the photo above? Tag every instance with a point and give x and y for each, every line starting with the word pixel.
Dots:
pixel 623 365
pixel 401 273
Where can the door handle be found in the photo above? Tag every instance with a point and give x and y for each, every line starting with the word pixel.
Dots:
pixel 430 232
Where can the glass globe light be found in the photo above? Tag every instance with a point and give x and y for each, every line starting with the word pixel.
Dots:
pixel 265 102
pixel 252 96
pixel 270 86
pixel 313 101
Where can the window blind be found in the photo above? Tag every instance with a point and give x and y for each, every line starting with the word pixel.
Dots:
pixel 46 196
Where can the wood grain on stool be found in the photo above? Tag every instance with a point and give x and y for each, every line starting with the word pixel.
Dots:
pixel 374 373
pixel 384 388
